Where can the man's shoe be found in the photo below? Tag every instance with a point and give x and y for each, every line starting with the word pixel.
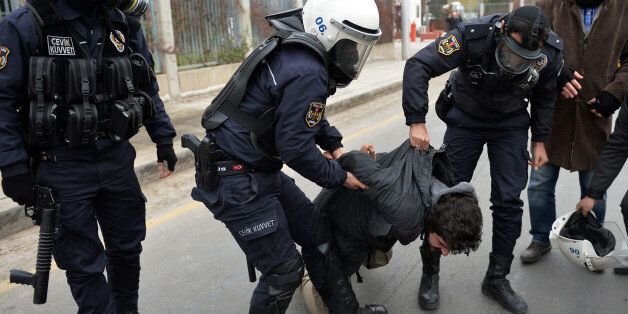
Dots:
pixel 534 252
pixel 621 271
pixel 496 286
pixel 429 297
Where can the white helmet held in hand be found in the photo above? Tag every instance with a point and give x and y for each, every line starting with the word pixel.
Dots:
pixel 348 29
pixel 584 241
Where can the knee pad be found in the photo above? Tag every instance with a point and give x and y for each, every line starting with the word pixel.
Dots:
pixel 287 276
pixel 282 280
pixel 624 205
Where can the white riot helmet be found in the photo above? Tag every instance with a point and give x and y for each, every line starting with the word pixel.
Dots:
pixel 584 241
pixel 348 29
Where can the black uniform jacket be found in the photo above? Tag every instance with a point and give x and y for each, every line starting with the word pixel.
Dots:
pixel 470 45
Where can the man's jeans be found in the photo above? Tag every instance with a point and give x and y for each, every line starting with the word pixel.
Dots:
pixel 542 200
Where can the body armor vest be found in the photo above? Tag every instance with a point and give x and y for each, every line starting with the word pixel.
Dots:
pixel 226 105
pixel 76 99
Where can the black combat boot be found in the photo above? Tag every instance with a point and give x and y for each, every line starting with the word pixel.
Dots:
pixel 338 294
pixel 429 297
pixel 496 286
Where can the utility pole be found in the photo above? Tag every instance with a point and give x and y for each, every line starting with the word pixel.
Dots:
pixel 405 29
pixel 169 57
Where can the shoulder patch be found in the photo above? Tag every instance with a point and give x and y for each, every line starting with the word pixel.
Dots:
pixel 116 43
pixel 4 56
pixel 555 41
pixel 448 45
pixel 540 63
pixel 314 114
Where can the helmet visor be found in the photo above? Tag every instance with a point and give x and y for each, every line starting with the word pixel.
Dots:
pixel 512 58
pixel 349 56
pixel 352 47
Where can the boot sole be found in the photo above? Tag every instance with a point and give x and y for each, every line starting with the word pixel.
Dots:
pixel 429 306
pixel 490 294
pixel 535 259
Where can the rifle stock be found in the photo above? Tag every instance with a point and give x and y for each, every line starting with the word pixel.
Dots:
pixel 45 212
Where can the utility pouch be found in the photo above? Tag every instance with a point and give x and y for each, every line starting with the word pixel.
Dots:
pixel 82 125
pixel 117 78
pixel 126 119
pixel 147 105
pixel 45 78
pixel 143 74
pixel 81 81
pixel 444 103
pixel 42 126
pixel 44 90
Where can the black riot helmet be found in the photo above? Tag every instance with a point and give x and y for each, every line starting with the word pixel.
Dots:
pixel 514 56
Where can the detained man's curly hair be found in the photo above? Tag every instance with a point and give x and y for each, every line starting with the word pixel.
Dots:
pixel 457 218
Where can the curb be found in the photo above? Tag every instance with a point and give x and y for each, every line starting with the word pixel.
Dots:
pixel 12 219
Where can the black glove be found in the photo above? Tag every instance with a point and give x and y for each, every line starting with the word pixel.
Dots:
pixel 605 104
pixel 166 152
pixel 566 75
pixel 19 188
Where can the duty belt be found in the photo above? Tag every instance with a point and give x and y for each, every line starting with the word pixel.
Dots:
pixel 212 162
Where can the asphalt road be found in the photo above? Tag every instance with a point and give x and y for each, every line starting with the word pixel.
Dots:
pixel 191 264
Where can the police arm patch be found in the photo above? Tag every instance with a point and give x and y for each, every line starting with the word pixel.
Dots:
pixel 448 45
pixel 540 63
pixel 314 114
pixel 4 56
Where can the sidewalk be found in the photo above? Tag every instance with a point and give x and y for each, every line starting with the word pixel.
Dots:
pixel 378 78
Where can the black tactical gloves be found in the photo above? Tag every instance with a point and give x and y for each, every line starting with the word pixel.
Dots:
pixel 605 104
pixel 165 152
pixel 566 75
pixel 19 188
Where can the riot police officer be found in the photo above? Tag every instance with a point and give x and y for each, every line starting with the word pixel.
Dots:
pixel 503 63
pixel 271 113
pixel 77 83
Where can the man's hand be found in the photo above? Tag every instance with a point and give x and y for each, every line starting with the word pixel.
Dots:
pixel 353 183
pixel 165 152
pixel 604 104
pixel 369 149
pixel 19 188
pixel 570 90
pixel 419 137
pixel 585 204
pixel 335 154
pixel 539 155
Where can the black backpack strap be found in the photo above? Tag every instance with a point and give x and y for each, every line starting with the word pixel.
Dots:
pixel 226 104
pixel 44 15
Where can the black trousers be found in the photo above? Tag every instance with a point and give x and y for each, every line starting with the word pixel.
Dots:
pixel 102 193
pixel 508 155
pixel 267 214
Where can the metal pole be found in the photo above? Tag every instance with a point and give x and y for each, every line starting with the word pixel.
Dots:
pixel 405 29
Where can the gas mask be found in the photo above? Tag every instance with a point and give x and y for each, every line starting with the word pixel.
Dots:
pixel 515 63
pixel 134 8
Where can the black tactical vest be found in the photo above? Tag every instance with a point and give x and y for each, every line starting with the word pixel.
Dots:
pixel 226 105
pixel 76 99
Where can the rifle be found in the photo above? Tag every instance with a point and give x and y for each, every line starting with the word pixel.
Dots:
pixel 44 214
